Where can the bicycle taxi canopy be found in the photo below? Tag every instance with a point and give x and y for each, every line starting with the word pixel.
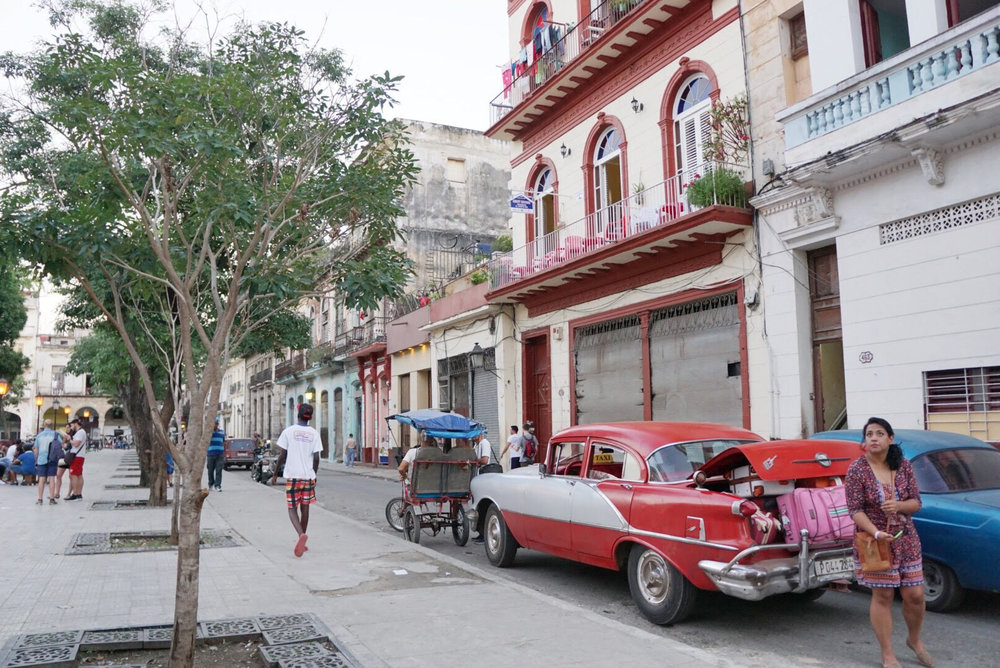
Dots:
pixel 439 424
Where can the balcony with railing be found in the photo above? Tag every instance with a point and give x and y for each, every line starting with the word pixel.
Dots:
pixel 290 367
pixel 261 377
pixel 667 216
pixel 913 82
pixel 612 29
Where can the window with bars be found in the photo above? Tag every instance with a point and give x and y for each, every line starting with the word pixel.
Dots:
pixel 964 401
pixel 963 390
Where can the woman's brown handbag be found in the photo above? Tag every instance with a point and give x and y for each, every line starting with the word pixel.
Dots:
pixel 875 555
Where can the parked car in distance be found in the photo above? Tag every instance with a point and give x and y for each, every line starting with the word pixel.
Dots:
pixel 959 523
pixel 679 506
pixel 239 452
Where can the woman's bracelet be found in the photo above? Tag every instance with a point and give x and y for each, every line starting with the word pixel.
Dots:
pixel 877 532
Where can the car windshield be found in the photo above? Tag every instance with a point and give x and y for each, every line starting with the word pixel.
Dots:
pixel 959 470
pixel 677 461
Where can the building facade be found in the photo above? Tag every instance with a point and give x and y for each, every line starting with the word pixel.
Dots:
pixel 633 279
pixel 455 210
pixel 876 131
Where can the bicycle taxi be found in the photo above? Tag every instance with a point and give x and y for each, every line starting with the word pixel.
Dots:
pixel 438 487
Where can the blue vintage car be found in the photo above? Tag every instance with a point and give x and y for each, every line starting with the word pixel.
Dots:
pixel 959 524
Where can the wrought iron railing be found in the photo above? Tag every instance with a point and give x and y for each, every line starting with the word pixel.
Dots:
pixel 711 184
pixel 260 377
pixel 290 367
pixel 575 40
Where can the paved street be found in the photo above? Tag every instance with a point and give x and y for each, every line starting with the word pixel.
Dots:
pixel 745 632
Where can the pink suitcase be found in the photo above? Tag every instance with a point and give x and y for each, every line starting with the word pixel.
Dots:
pixel 820 510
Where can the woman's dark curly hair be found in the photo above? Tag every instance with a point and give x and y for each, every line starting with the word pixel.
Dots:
pixel 895 455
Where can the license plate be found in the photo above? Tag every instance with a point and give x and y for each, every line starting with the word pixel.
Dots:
pixel 834 566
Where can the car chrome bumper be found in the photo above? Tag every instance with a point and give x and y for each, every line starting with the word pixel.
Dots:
pixel 759 580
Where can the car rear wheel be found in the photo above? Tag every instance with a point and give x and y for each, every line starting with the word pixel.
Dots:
pixel 411 525
pixel 500 544
pixel 942 591
pixel 662 594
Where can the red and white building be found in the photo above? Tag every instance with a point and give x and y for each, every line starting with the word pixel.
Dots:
pixel 625 297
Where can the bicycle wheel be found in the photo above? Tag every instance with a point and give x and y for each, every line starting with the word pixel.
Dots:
pixel 394 511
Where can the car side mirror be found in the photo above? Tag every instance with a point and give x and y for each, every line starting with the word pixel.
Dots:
pixel 541 470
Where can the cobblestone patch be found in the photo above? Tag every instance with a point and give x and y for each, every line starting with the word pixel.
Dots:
pixel 113 543
pixel 66 648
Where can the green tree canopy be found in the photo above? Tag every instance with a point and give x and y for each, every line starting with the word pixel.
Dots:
pixel 195 188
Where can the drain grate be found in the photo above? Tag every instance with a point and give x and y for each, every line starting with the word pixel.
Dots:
pixel 113 639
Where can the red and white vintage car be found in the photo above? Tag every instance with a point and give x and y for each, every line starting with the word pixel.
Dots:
pixel 682 506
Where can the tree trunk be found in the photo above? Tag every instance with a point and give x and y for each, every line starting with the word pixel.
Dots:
pixel 188 560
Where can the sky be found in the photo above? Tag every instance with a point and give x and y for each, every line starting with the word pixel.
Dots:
pixel 449 51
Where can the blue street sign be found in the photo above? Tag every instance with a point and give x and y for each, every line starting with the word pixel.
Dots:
pixel 522 203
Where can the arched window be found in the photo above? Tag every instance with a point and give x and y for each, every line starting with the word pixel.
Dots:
pixel 692 125
pixel 544 205
pixel 607 175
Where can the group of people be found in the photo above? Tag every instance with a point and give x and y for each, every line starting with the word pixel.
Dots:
pixel 48 458
pixel 522 444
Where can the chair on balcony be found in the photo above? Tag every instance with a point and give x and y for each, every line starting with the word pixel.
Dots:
pixel 670 211
pixel 574 246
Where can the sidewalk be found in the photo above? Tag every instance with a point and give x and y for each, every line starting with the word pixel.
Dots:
pixel 388 602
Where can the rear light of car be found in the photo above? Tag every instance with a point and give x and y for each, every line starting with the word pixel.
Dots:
pixel 744 508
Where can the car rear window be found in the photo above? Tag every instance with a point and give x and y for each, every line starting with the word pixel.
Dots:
pixel 241 444
pixel 958 470
pixel 677 461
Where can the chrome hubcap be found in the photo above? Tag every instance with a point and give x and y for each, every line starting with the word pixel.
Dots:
pixel 652 577
pixel 493 534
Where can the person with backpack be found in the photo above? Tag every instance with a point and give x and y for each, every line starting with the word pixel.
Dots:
pixel 530 444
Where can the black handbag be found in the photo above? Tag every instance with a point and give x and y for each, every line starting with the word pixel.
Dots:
pixel 490 468
pixel 67 459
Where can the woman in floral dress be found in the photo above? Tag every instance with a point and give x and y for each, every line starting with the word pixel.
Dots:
pixel 882 495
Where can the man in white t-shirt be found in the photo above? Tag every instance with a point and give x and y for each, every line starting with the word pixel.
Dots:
pixel 300 447
pixel 515 443
pixel 78 446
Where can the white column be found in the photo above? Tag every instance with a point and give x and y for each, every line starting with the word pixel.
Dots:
pixel 836 49
pixel 925 19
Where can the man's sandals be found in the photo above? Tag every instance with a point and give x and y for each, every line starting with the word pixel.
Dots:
pixel 300 545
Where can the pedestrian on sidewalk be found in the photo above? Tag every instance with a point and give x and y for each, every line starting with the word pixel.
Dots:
pixel 48 450
pixel 78 446
pixel 350 450
pixel 299 459
pixel 515 443
pixel 216 458
pixel 882 496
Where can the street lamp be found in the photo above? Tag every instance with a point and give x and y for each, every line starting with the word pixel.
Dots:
pixel 67 410
pixel 55 414
pixel 309 396
pixel 476 357
pixel 38 413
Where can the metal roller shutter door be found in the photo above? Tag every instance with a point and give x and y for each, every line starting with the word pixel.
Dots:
pixel 608 365
pixel 694 353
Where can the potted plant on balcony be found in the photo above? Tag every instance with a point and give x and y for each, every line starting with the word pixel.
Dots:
pixel 718 185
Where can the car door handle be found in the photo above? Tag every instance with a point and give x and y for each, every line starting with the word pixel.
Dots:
pixel 626 486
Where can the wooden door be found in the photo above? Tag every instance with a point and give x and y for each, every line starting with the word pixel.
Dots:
pixel 538 389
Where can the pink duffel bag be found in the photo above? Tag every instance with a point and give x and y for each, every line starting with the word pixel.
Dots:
pixel 820 510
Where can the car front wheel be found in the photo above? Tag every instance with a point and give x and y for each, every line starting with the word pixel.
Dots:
pixel 942 591
pixel 662 593
pixel 500 543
